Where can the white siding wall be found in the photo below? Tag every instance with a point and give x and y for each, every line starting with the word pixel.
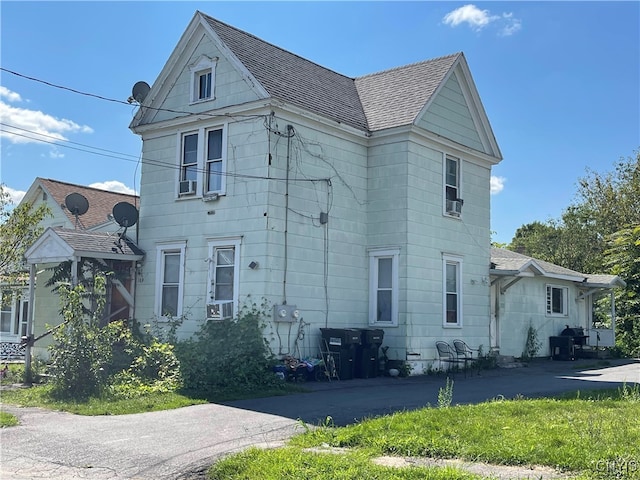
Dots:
pixel 449 116
pixel 524 304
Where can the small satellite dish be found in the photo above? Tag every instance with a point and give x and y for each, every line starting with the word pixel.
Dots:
pixel 125 214
pixel 76 203
pixel 140 91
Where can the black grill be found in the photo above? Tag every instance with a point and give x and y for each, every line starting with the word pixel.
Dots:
pixel 579 338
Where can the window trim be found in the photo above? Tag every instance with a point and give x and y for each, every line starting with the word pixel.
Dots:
pixel 549 287
pixel 445 185
pixel 203 66
pixel 457 261
pixel 202 162
pixel 212 246
pixel 374 256
pixel 161 250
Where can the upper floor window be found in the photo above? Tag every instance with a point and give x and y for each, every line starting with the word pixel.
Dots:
pixel 203 79
pixel 452 291
pixel 557 301
pixel 224 279
pixel 383 287
pixel 203 162
pixel 170 280
pixel 453 202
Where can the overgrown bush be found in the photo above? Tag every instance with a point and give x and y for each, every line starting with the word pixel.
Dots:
pixel 228 356
pixel 88 360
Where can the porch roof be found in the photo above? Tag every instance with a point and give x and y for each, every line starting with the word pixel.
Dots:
pixel 60 244
pixel 508 263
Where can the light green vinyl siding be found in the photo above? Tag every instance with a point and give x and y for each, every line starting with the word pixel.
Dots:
pixel 449 116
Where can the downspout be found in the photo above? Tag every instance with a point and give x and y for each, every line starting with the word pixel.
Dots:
pixel 286 214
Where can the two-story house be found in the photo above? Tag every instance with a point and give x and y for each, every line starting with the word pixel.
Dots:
pixel 348 202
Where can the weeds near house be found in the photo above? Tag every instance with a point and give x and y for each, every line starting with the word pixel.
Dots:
pixel 532 344
pixel 445 394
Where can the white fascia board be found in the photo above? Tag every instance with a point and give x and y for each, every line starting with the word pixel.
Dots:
pixel 476 109
pixel 225 114
pixel 433 140
pixel 107 256
pixel 306 115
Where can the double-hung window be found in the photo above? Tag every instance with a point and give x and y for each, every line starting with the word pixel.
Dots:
pixel 453 202
pixel 6 311
pixel 452 290
pixel 214 170
pixel 189 164
pixel 557 301
pixel 170 280
pixel 203 74
pixel 203 162
pixel 383 287
pixel 224 278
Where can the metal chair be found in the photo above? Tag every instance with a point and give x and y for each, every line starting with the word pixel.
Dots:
pixel 464 353
pixel 447 354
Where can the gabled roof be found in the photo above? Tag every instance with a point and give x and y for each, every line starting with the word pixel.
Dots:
pixel 101 202
pixel 293 79
pixel 395 97
pixel 509 263
pixel 60 244
pixel 371 103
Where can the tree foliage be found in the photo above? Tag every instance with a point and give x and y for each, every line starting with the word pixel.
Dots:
pixel 19 228
pixel 598 233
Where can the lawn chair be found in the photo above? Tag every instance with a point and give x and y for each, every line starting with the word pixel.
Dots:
pixel 464 353
pixel 447 354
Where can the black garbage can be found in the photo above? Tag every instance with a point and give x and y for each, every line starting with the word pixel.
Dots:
pixel 561 347
pixel 367 352
pixel 344 342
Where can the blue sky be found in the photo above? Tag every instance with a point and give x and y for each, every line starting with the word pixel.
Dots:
pixel 559 81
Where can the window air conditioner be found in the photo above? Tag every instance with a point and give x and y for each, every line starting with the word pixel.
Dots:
pixel 220 311
pixel 454 207
pixel 187 187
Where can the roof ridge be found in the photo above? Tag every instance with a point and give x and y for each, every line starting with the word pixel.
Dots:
pixel 275 46
pixel 408 65
pixel 87 187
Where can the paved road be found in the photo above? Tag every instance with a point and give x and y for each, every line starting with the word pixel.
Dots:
pixel 180 444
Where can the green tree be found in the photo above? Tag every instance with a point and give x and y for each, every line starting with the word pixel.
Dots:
pixel 19 228
pixel 623 258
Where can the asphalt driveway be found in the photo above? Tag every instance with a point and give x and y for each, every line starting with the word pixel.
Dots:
pixel 180 444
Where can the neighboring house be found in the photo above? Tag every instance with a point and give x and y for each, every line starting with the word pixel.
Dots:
pixel 70 237
pixel 361 202
pixel 529 292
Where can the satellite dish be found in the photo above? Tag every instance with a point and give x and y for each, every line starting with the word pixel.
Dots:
pixel 125 214
pixel 77 204
pixel 140 91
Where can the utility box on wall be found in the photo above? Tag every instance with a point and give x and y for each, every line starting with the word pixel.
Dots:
pixel 285 313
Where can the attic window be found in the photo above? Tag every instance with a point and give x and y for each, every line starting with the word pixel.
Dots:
pixel 203 79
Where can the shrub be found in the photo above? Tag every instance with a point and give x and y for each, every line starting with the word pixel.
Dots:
pixel 228 355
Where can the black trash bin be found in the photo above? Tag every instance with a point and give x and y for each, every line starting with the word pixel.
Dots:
pixel 344 342
pixel 562 347
pixel 367 353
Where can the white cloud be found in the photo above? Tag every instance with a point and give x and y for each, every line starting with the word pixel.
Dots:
pixel 479 19
pixel 30 124
pixel 14 195
pixel 9 95
pixel 469 14
pixel 113 186
pixel 497 184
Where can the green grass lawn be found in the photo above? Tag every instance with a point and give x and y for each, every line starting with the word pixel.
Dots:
pixel 589 437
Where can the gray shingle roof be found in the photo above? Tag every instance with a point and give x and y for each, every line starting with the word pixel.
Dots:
pixel 395 97
pixel 293 79
pixel 98 242
pixel 386 99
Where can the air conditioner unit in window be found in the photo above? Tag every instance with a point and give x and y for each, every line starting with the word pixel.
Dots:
pixel 454 207
pixel 219 311
pixel 187 187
